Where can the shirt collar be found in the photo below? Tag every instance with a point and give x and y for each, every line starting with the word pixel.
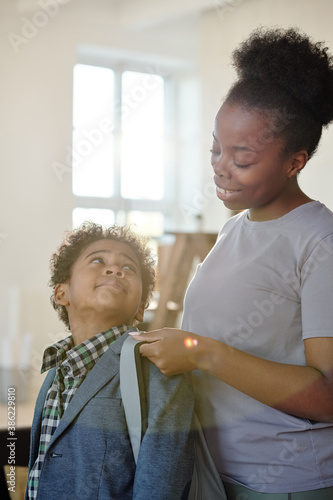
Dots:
pixel 90 349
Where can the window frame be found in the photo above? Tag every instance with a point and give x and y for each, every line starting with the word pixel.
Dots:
pixel 117 203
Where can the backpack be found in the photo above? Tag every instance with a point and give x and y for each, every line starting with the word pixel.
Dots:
pixel 206 482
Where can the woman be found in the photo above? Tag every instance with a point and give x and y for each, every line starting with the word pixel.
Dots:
pixel 258 317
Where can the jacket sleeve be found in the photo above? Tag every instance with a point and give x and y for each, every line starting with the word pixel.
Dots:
pixel 166 457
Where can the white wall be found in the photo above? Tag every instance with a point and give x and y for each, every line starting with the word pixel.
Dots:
pixel 221 31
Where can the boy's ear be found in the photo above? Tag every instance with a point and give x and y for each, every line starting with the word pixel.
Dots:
pixel 139 315
pixel 60 294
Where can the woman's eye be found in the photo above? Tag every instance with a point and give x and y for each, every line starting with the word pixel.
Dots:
pixel 214 152
pixel 239 165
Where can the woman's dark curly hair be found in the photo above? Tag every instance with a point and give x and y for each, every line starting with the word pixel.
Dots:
pixel 76 241
pixel 285 75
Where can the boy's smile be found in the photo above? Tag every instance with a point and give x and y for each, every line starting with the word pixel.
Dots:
pixel 105 287
pixel 113 283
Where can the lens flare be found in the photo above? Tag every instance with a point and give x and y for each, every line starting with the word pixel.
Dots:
pixel 190 342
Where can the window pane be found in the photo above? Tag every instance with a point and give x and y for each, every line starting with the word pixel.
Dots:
pixel 142 167
pixel 92 155
pixel 97 215
pixel 93 96
pixel 92 165
pixel 142 136
pixel 148 223
pixel 142 102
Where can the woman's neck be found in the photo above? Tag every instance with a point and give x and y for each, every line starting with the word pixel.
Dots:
pixel 275 212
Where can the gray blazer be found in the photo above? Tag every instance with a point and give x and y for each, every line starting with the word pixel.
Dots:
pixel 90 456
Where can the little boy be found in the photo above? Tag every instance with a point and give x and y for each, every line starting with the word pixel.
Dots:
pixel 102 280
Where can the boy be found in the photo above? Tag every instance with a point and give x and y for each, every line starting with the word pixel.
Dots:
pixel 102 280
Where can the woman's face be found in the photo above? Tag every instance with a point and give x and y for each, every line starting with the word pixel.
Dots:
pixel 250 169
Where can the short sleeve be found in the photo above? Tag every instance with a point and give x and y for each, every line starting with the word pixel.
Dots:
pixel 317 291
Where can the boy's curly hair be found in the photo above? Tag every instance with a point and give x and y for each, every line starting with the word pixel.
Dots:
pixel 76 241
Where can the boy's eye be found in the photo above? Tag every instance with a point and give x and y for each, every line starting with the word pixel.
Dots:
pixel 100 260
pixel 97 259
pixel 130 267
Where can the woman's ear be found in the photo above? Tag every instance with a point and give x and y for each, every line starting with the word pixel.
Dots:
pixel 297 163
pixel 60 294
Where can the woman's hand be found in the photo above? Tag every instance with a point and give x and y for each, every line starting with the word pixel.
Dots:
pixel 304 391
pixel 173 351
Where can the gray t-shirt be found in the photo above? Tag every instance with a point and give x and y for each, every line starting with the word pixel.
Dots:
pixel 263 288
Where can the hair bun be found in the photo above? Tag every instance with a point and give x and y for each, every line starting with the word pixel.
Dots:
pixel 288 59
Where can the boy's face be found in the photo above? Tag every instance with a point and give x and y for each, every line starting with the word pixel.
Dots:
pixel 105 285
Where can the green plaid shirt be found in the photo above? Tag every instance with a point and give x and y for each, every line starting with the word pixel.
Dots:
pixel 73 363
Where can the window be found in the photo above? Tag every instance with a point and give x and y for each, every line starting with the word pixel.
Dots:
pixel 119 164
pixel 93 131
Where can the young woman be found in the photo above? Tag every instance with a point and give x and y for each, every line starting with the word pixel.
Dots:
pixel 258 318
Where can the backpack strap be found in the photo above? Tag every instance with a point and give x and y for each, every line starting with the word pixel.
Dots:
pixel 133 392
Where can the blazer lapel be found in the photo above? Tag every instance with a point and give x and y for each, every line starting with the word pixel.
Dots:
pixel 104 370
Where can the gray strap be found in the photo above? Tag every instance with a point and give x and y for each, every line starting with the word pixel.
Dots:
pixel 206 481
pixel 129 388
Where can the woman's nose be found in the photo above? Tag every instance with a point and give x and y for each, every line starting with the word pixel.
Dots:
pixel 221 168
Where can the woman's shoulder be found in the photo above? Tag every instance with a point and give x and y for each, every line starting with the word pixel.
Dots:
pixel 313 220
pixel 308 229
pixel 313 217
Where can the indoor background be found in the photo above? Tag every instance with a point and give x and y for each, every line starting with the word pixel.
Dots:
pixel 187 45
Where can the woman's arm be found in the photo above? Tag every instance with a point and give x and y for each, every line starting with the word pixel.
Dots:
pixel 304 391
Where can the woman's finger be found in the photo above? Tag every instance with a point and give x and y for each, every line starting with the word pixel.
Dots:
pixel 146 337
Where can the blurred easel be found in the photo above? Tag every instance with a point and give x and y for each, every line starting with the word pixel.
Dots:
pixel 186 248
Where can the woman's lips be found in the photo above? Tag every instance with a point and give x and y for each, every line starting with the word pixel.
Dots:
pixel 226 194
pixel 225 191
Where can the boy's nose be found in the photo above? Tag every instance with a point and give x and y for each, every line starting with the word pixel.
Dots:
pixel 116 271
